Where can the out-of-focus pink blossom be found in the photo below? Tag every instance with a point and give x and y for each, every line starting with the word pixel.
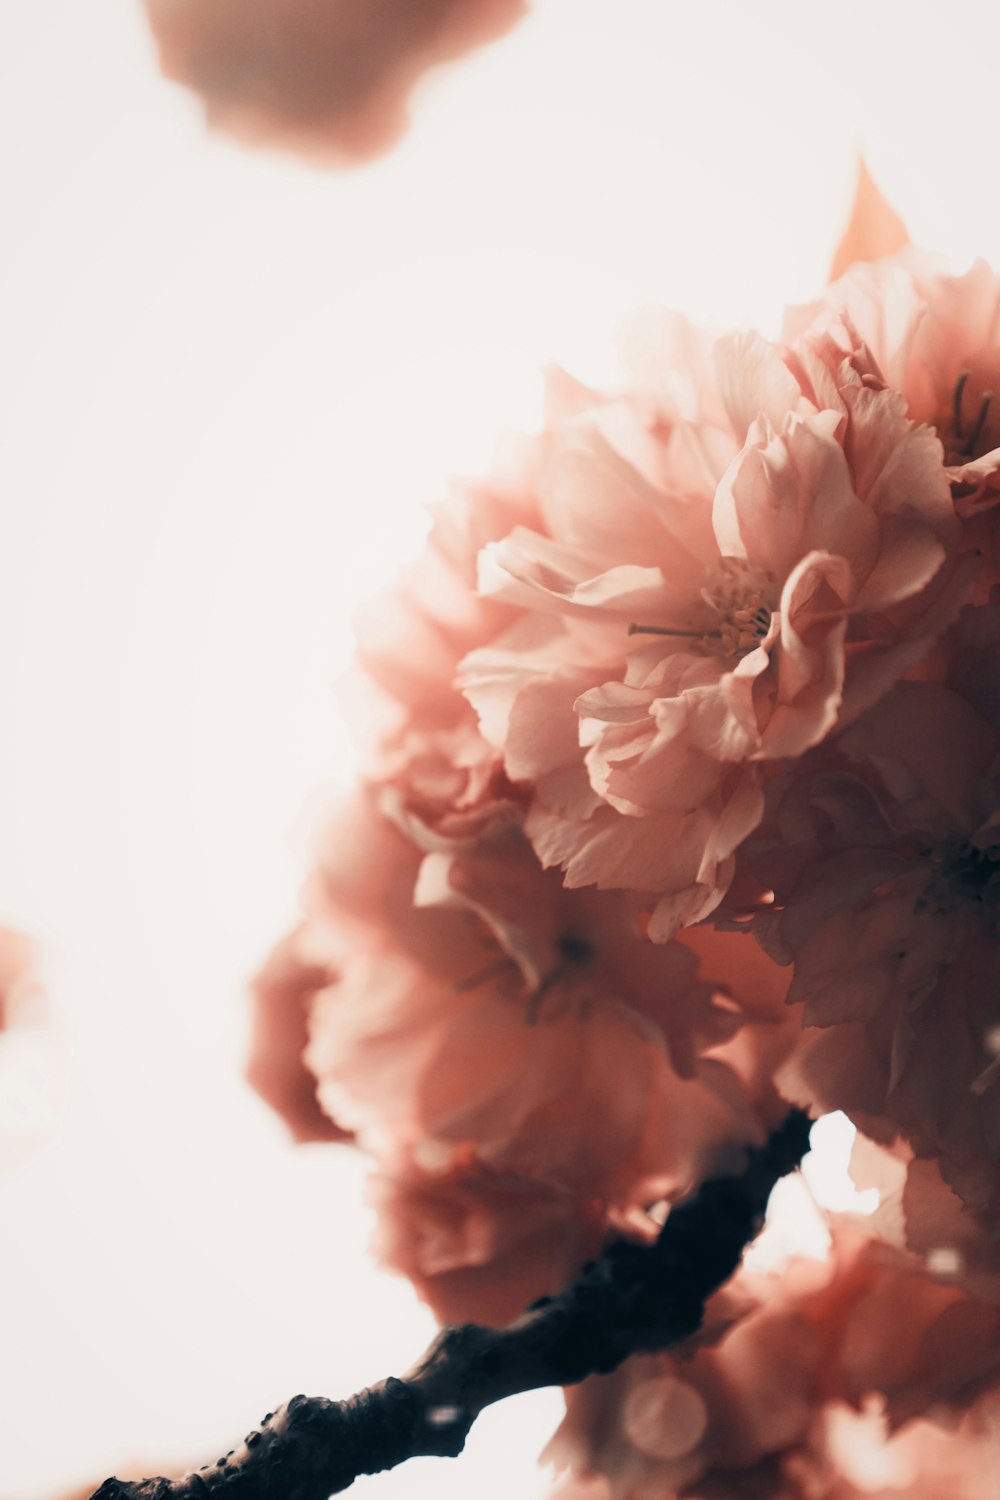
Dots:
pixel 482 1007
pixel 886 895
pixel 681 628
pixel 847 1455
pixel 714 656
pixel 918 1211
pixel 420 737
pixel 478 1246
pixel 852 1457
pixel 327 79
pixel 527 1069
pixel 935 336
pixel 275 1068
pixel 762 1402
pixel 16 959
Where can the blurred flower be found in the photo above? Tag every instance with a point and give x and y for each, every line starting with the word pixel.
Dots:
pixel 919 1211
pixel 275 1068
pixel 886 895
pixel 713 658
pixel 936 339
pixel 481 1007
pixel 420 738
pixel 478 1246
pixel 796 1387
pixel 526 1068
pixel 327 79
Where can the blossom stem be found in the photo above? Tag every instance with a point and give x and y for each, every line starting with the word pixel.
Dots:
pixel 632 1298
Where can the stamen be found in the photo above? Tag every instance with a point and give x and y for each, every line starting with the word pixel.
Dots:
pixel 692 635
pixel 575 950
pixel 739 597
pixel 973 439
pixel 956 401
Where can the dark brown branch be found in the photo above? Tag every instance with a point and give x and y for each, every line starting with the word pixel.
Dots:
pixel 632 1298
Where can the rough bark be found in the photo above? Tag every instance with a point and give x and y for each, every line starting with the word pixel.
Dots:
pixel 632 1298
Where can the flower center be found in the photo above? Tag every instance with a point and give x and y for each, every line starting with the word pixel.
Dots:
pixel 972 426
pixel 967 876
pixel 574 950
pixel 575 955
pixel 742 630
pixel 742 599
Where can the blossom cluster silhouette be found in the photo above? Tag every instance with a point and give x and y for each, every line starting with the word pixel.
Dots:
pixel 681 806
pixel 328 80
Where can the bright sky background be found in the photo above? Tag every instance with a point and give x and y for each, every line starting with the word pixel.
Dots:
pixel 227 386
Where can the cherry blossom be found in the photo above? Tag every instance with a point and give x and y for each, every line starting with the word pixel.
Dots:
pixel 936 337
pixel 682 777
pixel 695 637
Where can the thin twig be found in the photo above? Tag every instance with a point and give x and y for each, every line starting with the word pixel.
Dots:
pixel 632 1298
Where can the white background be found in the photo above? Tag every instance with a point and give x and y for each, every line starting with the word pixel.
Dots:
pixel 227 386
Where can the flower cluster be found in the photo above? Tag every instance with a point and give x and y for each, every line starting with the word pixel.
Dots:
pixel 683 803
pixel 326 79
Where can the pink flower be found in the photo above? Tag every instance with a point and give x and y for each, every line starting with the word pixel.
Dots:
pixel 846 1455
pixel 526 1068
pixel 482 1008
pixel 851 1456
pixel 328 79
pixel 420 737
pixel 918 1211
pixel 673 641
pixel 716 656
pixel 885 895
pixel 478 1246
pixel 936 337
